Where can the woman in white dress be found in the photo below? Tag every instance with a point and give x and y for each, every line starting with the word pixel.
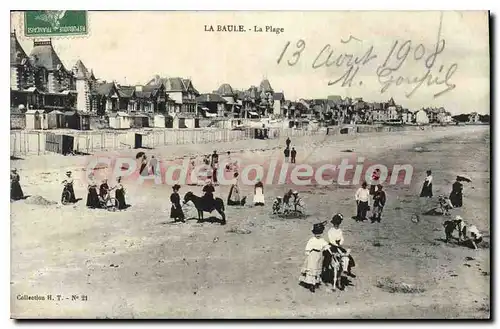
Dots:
pixel 258 196
pixel 310 274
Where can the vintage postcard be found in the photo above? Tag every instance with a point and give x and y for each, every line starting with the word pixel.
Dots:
pixel 250 165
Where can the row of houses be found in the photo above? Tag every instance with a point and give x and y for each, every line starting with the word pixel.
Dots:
pixel 40 81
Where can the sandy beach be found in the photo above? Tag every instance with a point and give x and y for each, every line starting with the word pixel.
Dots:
pixel 136 264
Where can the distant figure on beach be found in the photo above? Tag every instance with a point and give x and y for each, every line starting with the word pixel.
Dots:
pixel 215 168
pixel 215 159
pixel 310 274
pixel 206 160
pixel 362 197
pixel 277 205
pixel 16 192
pixel 287 204
pixel 143 171
pixel 379 199
pixel 120 194
pixel 68 186
pixel 288 141
pixel 293 153
pixel 176 212
pixel 427 187
pixel 456 196
pixel 287 154
pixel 258 196
pixel 208 193
pixel 153 163
pixel 375 181
pixel 92 196
pixel 233 199
pixel 104 189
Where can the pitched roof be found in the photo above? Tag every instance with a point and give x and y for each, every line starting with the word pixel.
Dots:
pixel 265 86
pixel 253 92
pixel 335 99
pixel 279 96
pixel 17 53
pixel 104 88
pixel 210 98
pixel 391 102
pixel 225 90
pixel 44 55
pixel 81 71
pixel 126 91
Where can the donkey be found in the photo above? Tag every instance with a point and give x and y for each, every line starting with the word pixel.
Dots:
pixel 201 205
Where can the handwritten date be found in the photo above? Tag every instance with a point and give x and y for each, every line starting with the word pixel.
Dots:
pixel 389 73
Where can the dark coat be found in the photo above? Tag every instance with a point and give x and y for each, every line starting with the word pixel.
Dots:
pixel 176 210
pixel 456 196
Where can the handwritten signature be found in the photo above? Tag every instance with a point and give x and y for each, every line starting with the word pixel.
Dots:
pixel 388 73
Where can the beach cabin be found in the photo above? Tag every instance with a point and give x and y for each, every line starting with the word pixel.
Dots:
pixel 185 121
pixel 55 119
pixel 139 121
pixel 34 119
pixel 76 120
pixel 17 119
pixel 119 120
pixel 159 121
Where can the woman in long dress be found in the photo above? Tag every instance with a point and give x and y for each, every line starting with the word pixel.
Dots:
pixel 233 199
pixel 427 188
pixel 16 192
pixel 456 196
pixel 258 196
pixel 120 194
pixel 310 274
pixel 176 212
pixel 92 196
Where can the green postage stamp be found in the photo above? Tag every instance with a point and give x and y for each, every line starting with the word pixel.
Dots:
pixel 55 22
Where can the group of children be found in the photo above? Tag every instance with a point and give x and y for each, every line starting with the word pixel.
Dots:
pixel 467 235
pixel 315 269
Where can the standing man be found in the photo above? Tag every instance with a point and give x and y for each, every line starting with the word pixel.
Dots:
pixel 288 141
pixel 379 199
pixel 293 154
pixel 215 159
pixel 153 163
pixel 287 154
pixel 362 197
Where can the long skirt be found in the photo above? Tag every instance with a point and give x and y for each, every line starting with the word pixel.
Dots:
pixel 176 212
pixel 426 190
pixel 456 199
pixel 72 197
pixel 120 197
pixel 258 198
pixel 16 192
pixel 92 198
pixel 312 268
pixel 233 198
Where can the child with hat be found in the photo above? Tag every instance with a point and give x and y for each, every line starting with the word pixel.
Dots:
pixel 336 239
pixel 310 277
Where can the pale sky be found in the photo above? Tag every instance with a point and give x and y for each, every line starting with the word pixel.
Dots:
pixel 131 47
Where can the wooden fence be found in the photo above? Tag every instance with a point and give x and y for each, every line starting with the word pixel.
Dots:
pixel 24 142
